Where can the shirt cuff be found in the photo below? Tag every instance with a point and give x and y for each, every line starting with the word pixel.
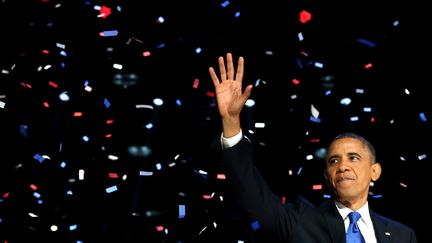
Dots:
pixel 230 142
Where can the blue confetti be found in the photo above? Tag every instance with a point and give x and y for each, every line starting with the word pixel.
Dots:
pixel 111 189
pixel 107 103
pixel 423 117
pixel 39 158
pixel 366 42
pixel 182 211
pixel 225 4
pixel 315 119
pixel 255 225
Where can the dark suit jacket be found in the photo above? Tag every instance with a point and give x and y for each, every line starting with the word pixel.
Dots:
pixel 297 221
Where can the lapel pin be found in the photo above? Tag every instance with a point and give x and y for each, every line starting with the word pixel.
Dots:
pixel 387 233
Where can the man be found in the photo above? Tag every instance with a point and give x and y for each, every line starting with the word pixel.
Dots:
pixel 350 164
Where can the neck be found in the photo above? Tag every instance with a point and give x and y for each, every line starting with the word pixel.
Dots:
pixel 353 205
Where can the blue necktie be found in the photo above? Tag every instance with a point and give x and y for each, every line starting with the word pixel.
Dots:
pixel 353 234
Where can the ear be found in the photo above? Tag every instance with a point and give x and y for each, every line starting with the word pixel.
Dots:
pixel 376 171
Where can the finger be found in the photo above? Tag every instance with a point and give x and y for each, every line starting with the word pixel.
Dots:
pixel 230 66
pixel 214 76
pixel 222 70
pixel 247 92
pixel 240 69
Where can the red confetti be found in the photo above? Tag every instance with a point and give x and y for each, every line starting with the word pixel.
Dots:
pixel 317 187
pixel 105 12
pixel 305 16
pixel 26 85
pixel 196 83
pixel 296 81
pixel 52 84
pixel 159 228
pixel 210 94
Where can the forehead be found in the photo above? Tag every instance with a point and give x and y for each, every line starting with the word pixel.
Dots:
pixel 347 145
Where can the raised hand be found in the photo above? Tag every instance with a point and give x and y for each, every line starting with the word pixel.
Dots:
pixel 229 95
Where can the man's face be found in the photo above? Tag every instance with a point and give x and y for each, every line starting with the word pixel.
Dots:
pixel 350 170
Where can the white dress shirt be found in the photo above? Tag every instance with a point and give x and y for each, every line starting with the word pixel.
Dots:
pixel 364 223
pixel 229 142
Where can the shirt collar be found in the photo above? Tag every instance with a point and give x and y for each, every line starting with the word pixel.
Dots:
pixel 364 212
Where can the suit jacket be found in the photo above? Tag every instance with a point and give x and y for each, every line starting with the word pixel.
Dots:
pixel 297 221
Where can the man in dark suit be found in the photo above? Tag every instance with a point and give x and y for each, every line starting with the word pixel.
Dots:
pixel 350 167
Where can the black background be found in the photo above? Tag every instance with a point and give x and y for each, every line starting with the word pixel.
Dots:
pixel 183 134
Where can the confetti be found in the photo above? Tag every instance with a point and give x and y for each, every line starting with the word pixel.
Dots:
pixel 115 113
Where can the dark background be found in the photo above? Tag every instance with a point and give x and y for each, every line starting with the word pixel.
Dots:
pixel 36 194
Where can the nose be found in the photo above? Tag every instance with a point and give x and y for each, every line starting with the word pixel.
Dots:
pixel 342 166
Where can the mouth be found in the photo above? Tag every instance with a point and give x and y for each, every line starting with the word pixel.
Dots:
pixel 345 178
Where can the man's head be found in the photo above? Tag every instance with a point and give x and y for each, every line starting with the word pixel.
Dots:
pixel 350 167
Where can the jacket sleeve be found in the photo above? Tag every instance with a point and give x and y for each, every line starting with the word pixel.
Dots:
pixel 252 195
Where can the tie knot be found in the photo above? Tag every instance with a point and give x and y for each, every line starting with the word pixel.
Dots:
pixel 354 216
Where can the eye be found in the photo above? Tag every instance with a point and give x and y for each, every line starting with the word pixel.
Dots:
pixel 332 160
pixel 354 158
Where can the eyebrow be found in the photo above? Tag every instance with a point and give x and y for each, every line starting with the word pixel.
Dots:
pixel 338 156
pixel 354 153
pixel 332 157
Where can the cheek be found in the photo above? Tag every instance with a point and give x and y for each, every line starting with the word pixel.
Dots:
pixel 364 177
pixel 329 176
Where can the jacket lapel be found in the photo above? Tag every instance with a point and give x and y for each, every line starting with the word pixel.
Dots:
pixel 381 232
pixel 334 221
